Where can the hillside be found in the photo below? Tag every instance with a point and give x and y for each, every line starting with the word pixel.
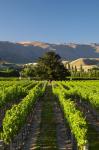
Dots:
pixel 27 52
pixel 2 61
pixel 86 63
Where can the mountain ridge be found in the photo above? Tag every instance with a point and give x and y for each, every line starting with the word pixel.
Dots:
pixel 27 52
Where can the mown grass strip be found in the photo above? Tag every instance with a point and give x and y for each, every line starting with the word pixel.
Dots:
pixel 93 138
pixel 47 137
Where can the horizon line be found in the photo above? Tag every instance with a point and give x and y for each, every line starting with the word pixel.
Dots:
pixel 56 43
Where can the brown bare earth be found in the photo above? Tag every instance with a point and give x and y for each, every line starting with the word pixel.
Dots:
pixel 38 44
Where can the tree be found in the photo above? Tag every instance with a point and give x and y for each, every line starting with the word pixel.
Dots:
pixel 81 68
pixel 75 69
pixel 28 72
pixel 50 67
pixel 69 66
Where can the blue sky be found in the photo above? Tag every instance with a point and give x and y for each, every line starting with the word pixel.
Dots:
pixel 54 21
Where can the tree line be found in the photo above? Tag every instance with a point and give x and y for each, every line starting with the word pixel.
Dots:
pixel 50 67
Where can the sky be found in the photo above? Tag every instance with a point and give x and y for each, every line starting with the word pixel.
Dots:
pixel 53 21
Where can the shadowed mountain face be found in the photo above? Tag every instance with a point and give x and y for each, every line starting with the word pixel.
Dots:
pixel 25 52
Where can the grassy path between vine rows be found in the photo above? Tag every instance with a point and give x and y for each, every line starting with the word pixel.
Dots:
pixel 47 137
pixel 93 138
pixel 54 133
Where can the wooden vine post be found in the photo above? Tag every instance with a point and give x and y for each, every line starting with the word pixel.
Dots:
pixel 1 145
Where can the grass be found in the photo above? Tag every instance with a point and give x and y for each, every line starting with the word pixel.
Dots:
pixel 93 138
pixel 47 137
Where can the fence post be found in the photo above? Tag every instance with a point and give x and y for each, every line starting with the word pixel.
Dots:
pixel 85 147
pixel 1 145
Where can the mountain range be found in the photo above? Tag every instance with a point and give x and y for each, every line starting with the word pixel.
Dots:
pixel 28 52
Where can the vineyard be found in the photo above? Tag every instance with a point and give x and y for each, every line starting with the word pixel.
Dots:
pixel 49 115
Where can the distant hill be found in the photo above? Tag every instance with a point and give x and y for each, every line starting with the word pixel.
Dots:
pixel 2 61
pixel 28 52
pixel 86 63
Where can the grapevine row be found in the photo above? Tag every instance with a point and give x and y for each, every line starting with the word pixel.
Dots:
pixel 74 117
pixel 15 118
pixel 13 92
pixel 85 92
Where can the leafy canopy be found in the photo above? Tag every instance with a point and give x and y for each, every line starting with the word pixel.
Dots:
pixel 50 67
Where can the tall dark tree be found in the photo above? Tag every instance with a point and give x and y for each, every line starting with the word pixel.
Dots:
pixel 50 67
